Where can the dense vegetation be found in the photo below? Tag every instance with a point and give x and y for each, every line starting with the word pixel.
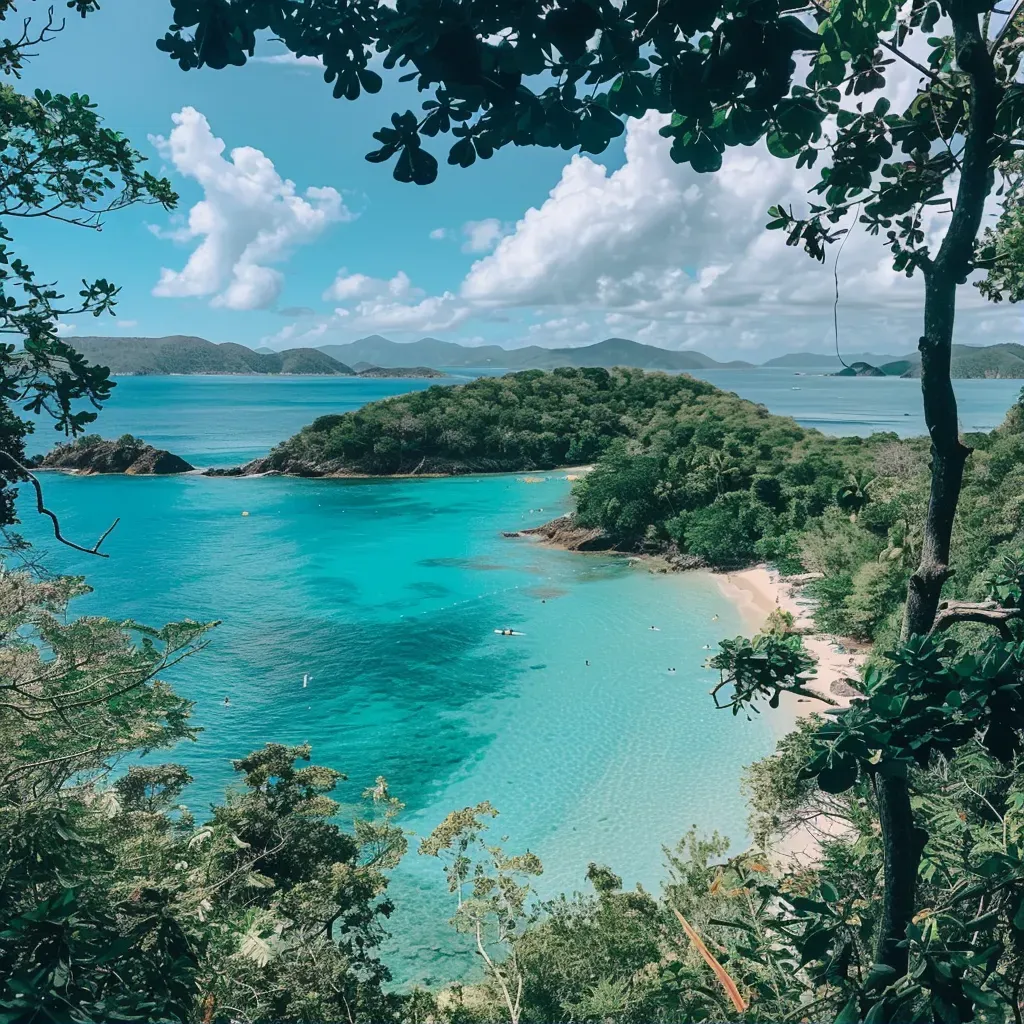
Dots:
pixel 145 356
pixel 118 907
pixel 527 420
pixel 1002 360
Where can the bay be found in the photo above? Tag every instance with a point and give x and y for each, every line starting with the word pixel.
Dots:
pixel 387 594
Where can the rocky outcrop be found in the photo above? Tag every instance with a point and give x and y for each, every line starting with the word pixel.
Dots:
pixel 94 454
pixel 565 532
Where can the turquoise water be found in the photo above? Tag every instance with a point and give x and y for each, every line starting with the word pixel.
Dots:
pixel 387 593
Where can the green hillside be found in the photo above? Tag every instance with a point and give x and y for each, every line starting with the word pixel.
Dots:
pixel 608 353
pixel 971 361
pixel 530 420
pixel 179 354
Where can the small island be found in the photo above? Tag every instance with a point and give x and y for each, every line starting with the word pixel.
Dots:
pixel 93 454
pixel 399 371
pixel 860 369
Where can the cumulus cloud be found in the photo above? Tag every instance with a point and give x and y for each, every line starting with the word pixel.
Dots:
pixel 482 235
pixel 249 218
pixel 659 253
pixel 438 234
pixel 346 287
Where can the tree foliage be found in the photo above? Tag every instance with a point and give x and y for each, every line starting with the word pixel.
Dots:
pixel 58 161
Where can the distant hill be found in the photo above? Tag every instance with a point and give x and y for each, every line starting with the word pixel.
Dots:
pixel 970 361
pixel 825 360
pixel 611 352
pixel 180 354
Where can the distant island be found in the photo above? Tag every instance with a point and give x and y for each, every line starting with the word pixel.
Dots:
pixel 1003 361
pixel 860 369
pixel 94 454
pixel 400 371
pixel 379 357
pixel 182 355
pixel 610 352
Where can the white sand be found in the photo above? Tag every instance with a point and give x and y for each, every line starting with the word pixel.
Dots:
pixel 757 592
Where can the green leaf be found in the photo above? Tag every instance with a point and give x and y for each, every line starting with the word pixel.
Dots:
pixel 850 1013
pixel 839 776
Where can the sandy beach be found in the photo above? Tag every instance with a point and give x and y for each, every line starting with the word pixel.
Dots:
pixel 757 592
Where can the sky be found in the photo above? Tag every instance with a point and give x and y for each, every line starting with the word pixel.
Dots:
pixel 285 236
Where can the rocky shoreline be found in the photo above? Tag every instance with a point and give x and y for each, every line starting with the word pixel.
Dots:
pixel 93 455
pixel 565 533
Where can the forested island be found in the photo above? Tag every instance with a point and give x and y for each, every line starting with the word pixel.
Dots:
pixel 180 355
pixel 272 904
pixel 683 468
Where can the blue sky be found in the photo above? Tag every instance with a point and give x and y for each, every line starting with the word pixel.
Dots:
pixel 532 247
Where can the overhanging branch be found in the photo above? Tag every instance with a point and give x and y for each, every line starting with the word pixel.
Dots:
pixel 43 510
pixel 987 613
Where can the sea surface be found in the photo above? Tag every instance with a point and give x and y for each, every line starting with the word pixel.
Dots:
pixel 388 594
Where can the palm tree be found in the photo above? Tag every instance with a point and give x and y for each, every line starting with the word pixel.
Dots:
pixel 717 462
pixel 853 495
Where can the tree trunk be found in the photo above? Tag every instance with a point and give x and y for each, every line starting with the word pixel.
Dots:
pixel 901 844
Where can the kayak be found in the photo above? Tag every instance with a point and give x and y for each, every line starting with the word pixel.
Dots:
pixel 509 632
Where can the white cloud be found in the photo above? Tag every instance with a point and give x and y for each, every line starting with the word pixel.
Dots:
pixel 678 259
pixel 482 235
pixel 63 329
pixel 346 287
pixel 248 218
pixel 438 234
pixel 290 60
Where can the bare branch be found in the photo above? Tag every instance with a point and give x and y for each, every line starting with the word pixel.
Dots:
pixel 986 612
pixel 43 510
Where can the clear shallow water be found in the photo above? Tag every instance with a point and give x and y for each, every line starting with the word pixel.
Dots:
pixel 387 593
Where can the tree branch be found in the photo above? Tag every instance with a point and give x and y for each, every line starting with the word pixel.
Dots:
pixel 43 510
pixel 1007 25
pixel 986 612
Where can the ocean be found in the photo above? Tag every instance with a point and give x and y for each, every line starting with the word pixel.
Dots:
pixel 387 594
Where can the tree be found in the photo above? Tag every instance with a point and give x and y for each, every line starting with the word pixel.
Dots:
pixel 117 904
pixel 493 910
pixel 800 75
pixel 57 162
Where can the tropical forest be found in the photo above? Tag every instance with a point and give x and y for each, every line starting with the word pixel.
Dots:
pixel 572 677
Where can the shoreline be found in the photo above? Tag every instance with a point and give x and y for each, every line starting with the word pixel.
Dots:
pixel 756 592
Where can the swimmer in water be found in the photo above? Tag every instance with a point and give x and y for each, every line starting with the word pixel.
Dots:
pixel 227 702
pixel 714 618
pixel 588 663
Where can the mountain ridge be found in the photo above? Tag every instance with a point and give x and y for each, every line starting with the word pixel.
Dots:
pixel 186 354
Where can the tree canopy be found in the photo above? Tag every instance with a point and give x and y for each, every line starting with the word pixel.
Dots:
pixel 58 161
